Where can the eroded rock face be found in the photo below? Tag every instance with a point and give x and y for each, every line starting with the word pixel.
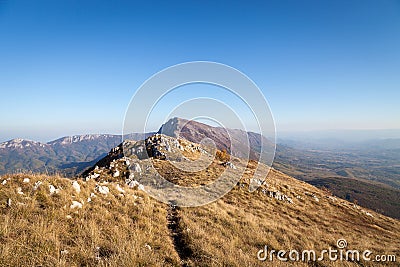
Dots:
pixel 161 146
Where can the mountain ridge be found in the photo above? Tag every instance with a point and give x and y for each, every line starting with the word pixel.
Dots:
pixel 20 143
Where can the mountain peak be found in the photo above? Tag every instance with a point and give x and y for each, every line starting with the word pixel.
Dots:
pixel 173 126
pixel 79 138
pixel 223 138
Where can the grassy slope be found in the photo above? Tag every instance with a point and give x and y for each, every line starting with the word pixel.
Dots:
pixel 232 230
pixel 113 230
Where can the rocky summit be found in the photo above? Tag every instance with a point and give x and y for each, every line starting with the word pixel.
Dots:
pixel 132 161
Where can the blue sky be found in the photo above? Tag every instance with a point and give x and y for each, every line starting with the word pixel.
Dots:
pixel 71 67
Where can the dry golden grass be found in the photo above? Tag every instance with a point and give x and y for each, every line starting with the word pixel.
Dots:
pixel 222 155
pixel 230 231
pixel 113 230
pixel 188 178
pixel 117 229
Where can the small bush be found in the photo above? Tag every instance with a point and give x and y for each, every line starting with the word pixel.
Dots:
pixel 222 155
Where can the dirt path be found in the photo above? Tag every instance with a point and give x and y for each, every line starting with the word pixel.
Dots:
pixel 178 237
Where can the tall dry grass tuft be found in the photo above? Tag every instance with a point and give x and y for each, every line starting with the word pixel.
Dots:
pixel 222 155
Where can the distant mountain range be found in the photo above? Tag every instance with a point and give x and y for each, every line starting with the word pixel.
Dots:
pixel 68 155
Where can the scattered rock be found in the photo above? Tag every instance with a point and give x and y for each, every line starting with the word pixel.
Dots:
pixel 312 195
pixel 89 199
pixel 53 190
pixel 93 176
pixel 4 182
pixel 229 164
pixel 258 182
pixel 26 180
pixel 36 185
pixel 76 186
pixel 132 183
pixel 119 188
pixel 147 246
pixel 102 189
pixel 167 147
pixel 76 205
pixel 116 173
pixel 136 167
pixel 9 202
pixel 19 191
pixel 277 195
pixel 331 198
pixel 369 214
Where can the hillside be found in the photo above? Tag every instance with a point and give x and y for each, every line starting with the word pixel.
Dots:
pixel 107 218
pixel 276 214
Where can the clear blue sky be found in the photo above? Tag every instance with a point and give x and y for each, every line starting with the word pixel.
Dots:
pixel 71 67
